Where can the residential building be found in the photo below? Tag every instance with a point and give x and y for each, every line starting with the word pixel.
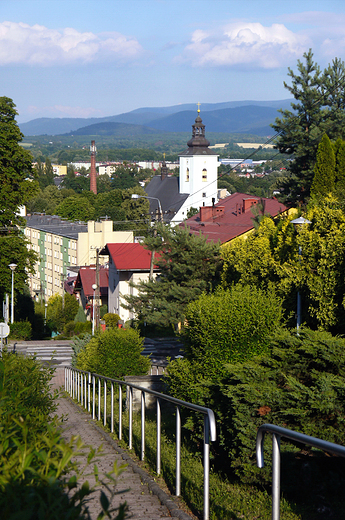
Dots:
pixel 232 217
pixel 128 263
pixel 62 246
pixel 83 286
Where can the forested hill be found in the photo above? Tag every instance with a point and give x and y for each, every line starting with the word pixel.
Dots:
pixel 253 117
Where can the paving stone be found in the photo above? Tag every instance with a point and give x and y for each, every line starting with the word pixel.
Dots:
pixel 142 503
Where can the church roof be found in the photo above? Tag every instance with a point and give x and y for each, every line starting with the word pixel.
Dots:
pixel 167 191
pixel 198 144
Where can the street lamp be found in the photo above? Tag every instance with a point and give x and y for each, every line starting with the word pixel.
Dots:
pixel 298 223
pixel 13 268
pixel 94 287
pixel 136 196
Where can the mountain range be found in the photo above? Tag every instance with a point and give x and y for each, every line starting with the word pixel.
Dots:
pixel 250 117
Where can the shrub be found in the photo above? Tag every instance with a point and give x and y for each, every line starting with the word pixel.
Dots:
pixel 229 326
pixel 301 386
pixel 78 344
pixel 102 311
pixel 111 319
pixel 72 328
pixel 21 330
pixel 114 353
pixel 35 462
pixel 80 316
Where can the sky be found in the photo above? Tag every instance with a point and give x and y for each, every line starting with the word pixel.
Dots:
pixel 88 58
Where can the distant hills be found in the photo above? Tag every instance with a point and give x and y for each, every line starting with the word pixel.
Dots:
pixel 250 117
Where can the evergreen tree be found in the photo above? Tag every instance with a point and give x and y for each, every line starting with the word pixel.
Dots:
pixel 324 171
pixel 300 129
pixel 334 98
pixel 188 265
pixel 339 152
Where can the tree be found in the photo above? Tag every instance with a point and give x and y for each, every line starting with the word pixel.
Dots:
pixel 324 171
pixel 301 130
pixel 15 167
pixel 76 207
pixel 188 265
pixel 339 152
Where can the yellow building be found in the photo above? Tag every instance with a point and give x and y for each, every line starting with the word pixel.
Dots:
pixel 63 246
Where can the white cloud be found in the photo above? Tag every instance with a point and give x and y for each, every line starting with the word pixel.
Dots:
pixel 245 44
pixel 37 45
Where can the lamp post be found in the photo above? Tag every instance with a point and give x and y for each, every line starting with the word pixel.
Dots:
pixel 13 268
pixel 94 287
pixel 298 223
pixel 136 196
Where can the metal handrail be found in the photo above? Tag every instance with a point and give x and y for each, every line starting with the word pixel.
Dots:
pixel 277 433
pixel 81 385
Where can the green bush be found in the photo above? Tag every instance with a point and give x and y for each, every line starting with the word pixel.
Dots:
pixel 301 386
pixel 114 353
pixel 78 345
pixel 102 311
pixel 73 328
pixel 80 316
pixel 111 319
pixel 229 326
pixel 21 330
pixel 35 462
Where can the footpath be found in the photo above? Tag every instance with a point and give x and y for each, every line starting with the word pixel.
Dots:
pixel 145 499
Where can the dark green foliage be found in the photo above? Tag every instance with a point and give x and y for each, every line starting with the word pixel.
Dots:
pixel 80 316
pixel 229 326
pixel 301 386
pixel 114 353
pixel 21 330
pixel 319 108
pixel 78 344
pixel 34 459
pixel 102 311
pixel 15 166
pixel 76 327
pixel 324 171
pixel 339 151
pixel 188 266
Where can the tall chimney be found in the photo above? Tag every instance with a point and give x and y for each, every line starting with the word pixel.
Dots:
pixel 93 183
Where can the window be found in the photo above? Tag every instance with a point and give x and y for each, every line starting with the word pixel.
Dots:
pixel 204 175
pixel 187 175
pixel 204 194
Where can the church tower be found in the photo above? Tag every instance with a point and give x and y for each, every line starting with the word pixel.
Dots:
pixel 199 168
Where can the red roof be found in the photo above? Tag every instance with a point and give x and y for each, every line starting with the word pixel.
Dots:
pixel 231 216
pixel 87 277
pixel 129 257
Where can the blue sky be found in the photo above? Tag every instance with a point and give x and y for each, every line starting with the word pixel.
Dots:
pixel 88 58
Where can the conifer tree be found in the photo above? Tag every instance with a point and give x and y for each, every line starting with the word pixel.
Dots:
pixel 324 171
pixel 339 152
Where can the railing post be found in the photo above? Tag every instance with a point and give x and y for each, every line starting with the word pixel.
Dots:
pixel 130 416
pixel 206 467
pixel 275 476
pixel 142 425
pixel 99 399
pixel 120 412
pixel 178 451
pixel 93 397
pixel 158 436
pixel 78 386
pixel 112 407
pixel 105 403
pixel 89 393
pixel 85 391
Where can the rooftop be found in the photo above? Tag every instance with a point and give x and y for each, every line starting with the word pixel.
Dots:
pixel 232 216
pixel 128 257
pixel 55 225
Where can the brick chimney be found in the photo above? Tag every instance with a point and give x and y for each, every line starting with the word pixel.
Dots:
pixel 208 213
pixel 248 203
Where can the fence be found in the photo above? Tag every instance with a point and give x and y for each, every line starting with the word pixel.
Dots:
pixel 277 433
pixel 84 386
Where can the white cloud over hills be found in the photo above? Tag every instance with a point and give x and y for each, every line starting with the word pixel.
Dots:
pixel 250 44
pixel 21 43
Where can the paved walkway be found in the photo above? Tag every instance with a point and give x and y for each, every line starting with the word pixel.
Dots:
pixel 144 497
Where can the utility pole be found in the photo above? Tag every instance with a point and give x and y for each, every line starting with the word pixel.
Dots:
pixel 97 291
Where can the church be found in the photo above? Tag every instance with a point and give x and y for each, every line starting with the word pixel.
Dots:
pixel 197 182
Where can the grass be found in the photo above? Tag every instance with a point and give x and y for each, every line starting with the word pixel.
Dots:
pixel 228 499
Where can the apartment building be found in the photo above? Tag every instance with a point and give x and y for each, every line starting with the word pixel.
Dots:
pixel 63 246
